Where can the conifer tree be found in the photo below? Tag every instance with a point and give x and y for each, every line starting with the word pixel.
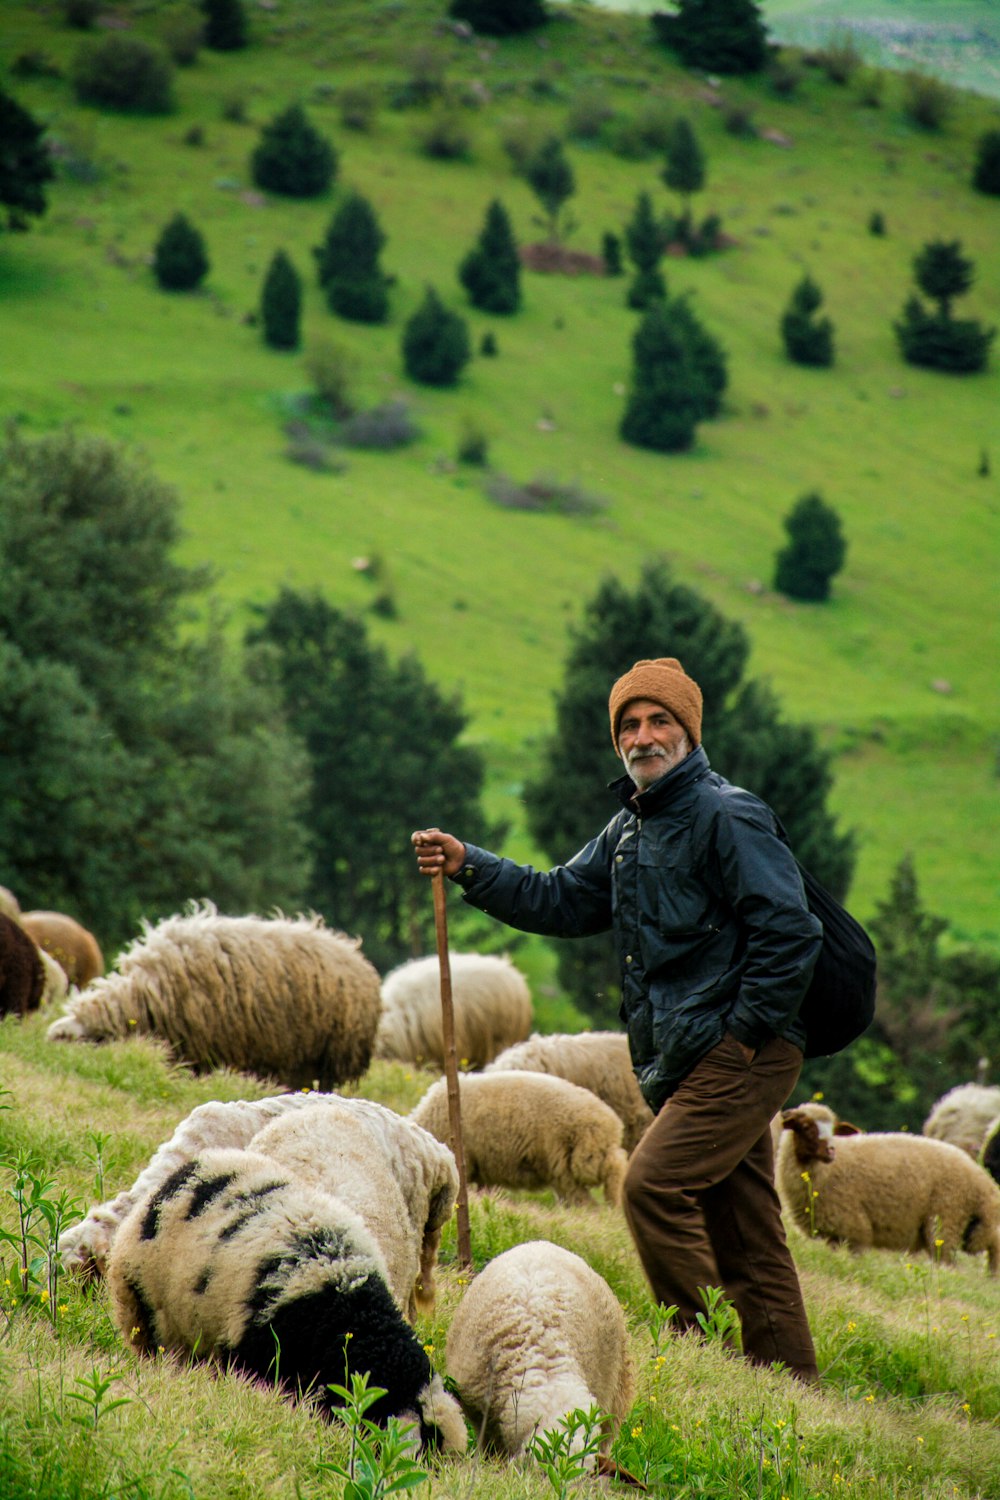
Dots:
pixel 705 352
pixel 25 163
pixel 551 178
pixel 281 303
pixel 225 25
pixel 935 339
pixel 348 262
pixel 808 339
pixel 986 174
pixel 684 171
pixel 292 157
pixel 435 343
pixel 180 260
pixel 721 36
pixel 815 551
pixel 499 17
pixel 611 253
pixel 679 375
pixel 644 242
pixel 491 271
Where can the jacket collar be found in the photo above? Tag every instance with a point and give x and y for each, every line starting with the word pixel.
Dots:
pixel 669 789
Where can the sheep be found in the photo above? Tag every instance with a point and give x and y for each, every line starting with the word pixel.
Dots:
pixel 396 1176
pixel 491 1002
pixel 234 1262
pixel 9 904
pixel 284 998
pixel 537 1335
pixel 989 1157
pixel 962 1115
pixel 888 1191
pixel 527 1130
pixel 596 1060
pixel 74 948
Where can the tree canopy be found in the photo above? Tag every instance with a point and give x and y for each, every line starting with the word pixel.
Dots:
pixel 25 163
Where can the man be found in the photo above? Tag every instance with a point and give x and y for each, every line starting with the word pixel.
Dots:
pixel 717 947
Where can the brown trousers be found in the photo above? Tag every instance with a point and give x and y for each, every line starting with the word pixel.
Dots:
pixel 702 1207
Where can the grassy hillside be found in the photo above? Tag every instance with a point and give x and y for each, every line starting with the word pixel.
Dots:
pixel 897 671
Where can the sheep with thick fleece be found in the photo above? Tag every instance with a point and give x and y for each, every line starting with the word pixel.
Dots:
pixel 284 998
pixel 75 949
pixel 527 1130
pixel 888 1191
pixel 962 1116
pixel 490 999
pixel 234 1261
pixel 400 1180
pixel 596 1060
pixel 537 1335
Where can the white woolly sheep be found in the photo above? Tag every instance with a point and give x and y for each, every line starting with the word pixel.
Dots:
pixel 400 1180
pixel 491 1001
pixel 527 1130
pixel 235 1262
pixel 962 1115
pixel 537 1335
pixel 596 1060
pixel 74 948
pixel 888 1191
pixel 284 998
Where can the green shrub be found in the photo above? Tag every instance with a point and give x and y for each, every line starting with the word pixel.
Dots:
pixel 81 13
pixel 333 371
pixel 722 36
pixel 183 31
pixel 815 551
pixel 808 340
pixel 871 87
pixel 499 17
pixel 488 346
pixel 381 428
pixel 25 164
pixel 590 111
pixel 358 105
pixel 667 394
pixel 281 303
pixel 986 173
pixel 473 445
pixel 784 73
pixel 876 223
pixel 348 263
pixel 491 271
pixel 225 25
pixel 960 346
pixel 120 71
pixel 435 343
pixel 180 261
pixel 840 58
pixel 611 253
pixel 551 178
pixel 446 135
pixel 927 101
pixel 292 157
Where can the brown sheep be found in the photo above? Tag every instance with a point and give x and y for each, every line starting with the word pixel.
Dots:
pixel 74 949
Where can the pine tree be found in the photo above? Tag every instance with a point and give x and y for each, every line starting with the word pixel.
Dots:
pixel 491 272
pixel 550 177
pixel 705 352
pixel 25 164
pixel 684 171
pixel 435 343
pixel 499 17
pixel 180 260
pixel 281 303
pixel 808 339
pixel 348 262
pixel 292 157
pixel 225 25
pixel 611 253
pixel 815 551
pixel 644 242
pixel 986 173
pixel 936 340
pixel 721 36
pixel 679 375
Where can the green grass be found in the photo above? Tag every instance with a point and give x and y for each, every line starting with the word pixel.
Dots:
pixel 486 596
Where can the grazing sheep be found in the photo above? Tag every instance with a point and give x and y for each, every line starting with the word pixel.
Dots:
pixel 400 1180
pixel 596 1060
pixel 537 1335
pixel 962 1115
pixel 74 948
pixel 888 1191
pixel 233 1261
pixel 22 971
pixel 990 1157
pixel 284 998
pixel 9 904
pixel 491 1002
pixel 526 1130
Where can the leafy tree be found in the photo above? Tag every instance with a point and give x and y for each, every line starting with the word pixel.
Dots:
pixel 348 262
pixel 745 735
pixel 986 173
pixel 382 742
pixel 225 25
pixel 679 375
pixel 491 272
pixel 142 765
pixel 722 36
pixel 684 171
pixel 550 177
pixel 499 17
pixel 292 157
pixel 281 303
pixel 815 551
pixel 435 343
pixel 180 260
pixel 644 242
pixel 936 339
pixel 25 163
pixel 808 339
pixel 121 71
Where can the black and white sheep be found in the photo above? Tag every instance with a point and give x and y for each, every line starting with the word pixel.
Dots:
pixel 234 1262
pixel 887 1191
pixel 963 1115
pixel 537 1335
pixel 491 1001
pixel 527 1130
pixel 596 1060
pixel 284 998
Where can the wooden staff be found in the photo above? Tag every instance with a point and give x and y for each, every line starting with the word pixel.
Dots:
pixel 451 1071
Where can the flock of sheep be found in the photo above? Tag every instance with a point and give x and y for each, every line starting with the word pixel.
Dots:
pixel 310 1221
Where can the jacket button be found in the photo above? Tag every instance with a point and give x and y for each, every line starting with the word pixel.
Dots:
pixel 619 858
pixel 628 958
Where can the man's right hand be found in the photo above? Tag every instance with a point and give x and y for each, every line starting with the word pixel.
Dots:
pixel 437 853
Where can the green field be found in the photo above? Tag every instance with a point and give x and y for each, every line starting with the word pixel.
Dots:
pixel 897 672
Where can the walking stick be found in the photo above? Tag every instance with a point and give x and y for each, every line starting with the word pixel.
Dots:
pixel 451 1071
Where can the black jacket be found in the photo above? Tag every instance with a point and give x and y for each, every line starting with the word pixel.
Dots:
pixel 708 910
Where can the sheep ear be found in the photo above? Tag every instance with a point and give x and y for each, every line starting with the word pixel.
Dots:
pixel 791 1119
pixel 844 1127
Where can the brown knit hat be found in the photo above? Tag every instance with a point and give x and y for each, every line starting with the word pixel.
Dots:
pixel 661 681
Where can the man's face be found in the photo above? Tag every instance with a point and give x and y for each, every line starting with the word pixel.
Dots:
pixel 650 741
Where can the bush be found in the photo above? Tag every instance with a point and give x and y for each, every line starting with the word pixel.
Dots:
pixel 435 343
pixel 936 342
pixel 737 119
pixel 808 340
pixel 225 25
pixel 488 346
pixel 722 36
pixel 927 101
pixel 589 113
pixel 521 140
pixel 446 136
pixel 645 288
pixel 311 450
pixel 180 261
pixel 611 253
pixel 473 445
pixel 281 303
pixel 292 157
pixel 986 173
pixel 667 396
pixel 840 58
pixel 348 262
pixel 646 134
pixel 234 108
pixel 785 73
pixel 545 494
pixel 25 164
pixel 815 551
pixel 491 271
pixel 876 223
pixel 871 87
pixel 381 427
pixel 552 181
pixel 183 31
pixel 332 370
pixel 358 105
pixel 81 13
pixel 121 71
pixel 499 17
